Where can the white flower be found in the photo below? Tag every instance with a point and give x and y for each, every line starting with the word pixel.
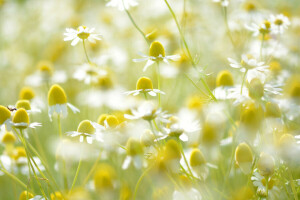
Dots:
pixel 191 194
pixel 279 23
pixel 82 33
pixel 224 3
pixel 89 73
pixel 254 68
pixel 151 92
pixel 263 28
pixel 120 4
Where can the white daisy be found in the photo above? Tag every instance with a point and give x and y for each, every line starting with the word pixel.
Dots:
pixel 262 28
pixel 81 34
pixel 156 54
pixel 121 4
pixel 279 23
pixel 144 85
pixel 89 73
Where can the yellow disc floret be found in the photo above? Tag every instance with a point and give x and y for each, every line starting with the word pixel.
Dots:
pixel 56 196
pixel 8 138
pixel 134 147
pixel 101 119
pixel 24 195
pixel 86 127
pixel 172 150
pixel 21 116
pixel 4 114
pixel 144 83
pixel 224 78
pixel 112 121
pixel 83 35
pixel 56 95
pixel 197 158
pixel 104 176
pixel 23 104
pixel 157 51
pixel 19 152
pixel 256 89
pixel 27 93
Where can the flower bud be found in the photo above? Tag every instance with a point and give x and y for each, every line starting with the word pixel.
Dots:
pixel 27 93
pixel 256 89
pixel 4 114
pixel 144 83
pixel 112 121
pixel 21 116
pixel 224 78
pixel 23 104
pixel 86 127
pixel 266 165
pixel 24 195
pixel 56 95
pixel 156 50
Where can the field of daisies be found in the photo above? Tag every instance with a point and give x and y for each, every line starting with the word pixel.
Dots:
pixel 149 99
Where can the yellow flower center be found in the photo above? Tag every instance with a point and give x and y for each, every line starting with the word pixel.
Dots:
pixel 224 78
pixel 24 194
pixel 23 104
pixel 86 127
pixel 112 121
pixel 144 83
pixel 134 147
pixel 209 133
pixel 256 89
pixel 4 114
pixel 278 22
pixel 45 67
pixel 101 119
pixel 243 153
pixel 19 152
pixel 27 93
pixel 271 183
pixel 293 87
pixel 103 178
pixel 252 115
pixel 21 116
pixel 156 50
pixel 172 150
pixel 57 196
pixel 83 35
pixel 8 138
pixel 272 110
pixel 197 158
pixel 195 102
pixel 275 67
pixel 56 95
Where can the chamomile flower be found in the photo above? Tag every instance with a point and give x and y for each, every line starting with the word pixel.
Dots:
pixel 224 3
pixel 82 33
pixel 279 23
pixel 263 28
pixel 20 120
pixel 187 191
pixel 254 68
pixel 27 106
pixel 86 130
pixel 144 85
pixel 5 116
pixel 121 4
pixel 135 154
pixel 89 73
pixel 57 101
pixel 224 82
pixel 156 54
pixel 147 111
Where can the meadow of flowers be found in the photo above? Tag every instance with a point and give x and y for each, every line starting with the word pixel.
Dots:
pixel 149 99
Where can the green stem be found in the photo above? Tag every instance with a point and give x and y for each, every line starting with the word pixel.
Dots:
pixel 267 186
pixel 243 81
pixel 145 95
pixel 135 25
pixel 293 185
pixel 85 52
pixel 65 180
pixel 13 177
pixel 140 180
pixel 158 83
pixel 185 160
pixel 76 175
pixel 92 169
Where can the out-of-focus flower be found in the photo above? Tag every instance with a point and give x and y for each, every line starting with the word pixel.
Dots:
pixel 89 73
pixel 21 120
pixel 156 54
pixel 121 4
pixel 224 3
pixel 135 154
pixel 264 28
pixel 81 34
pixel 144 85
pixel 244 157
pixel 279 23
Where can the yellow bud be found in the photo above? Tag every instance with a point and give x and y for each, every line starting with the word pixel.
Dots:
pixel 27 93
pixel 101 119
pixel 86 127
pixel 156 50
pixel 104 176
pixel 56 95
pixel 172 150
pixel 266 165
pixel 45 67
pixel 21 116
pixel 134 147
pixel 112 121
pixel 8 138
pixel 252 115
pixel 57 196
pixel 147 138
pixel 224 78
pixel 24 194
pixel 4 114
pixel 256 89
pixel 23 104
pixel 272 110
pixel 275 67
pixel 244 157
pixel 293 87
pixel 209 133
pixel 195 102
pixel 144 83
pixel 197 158
pixel 105 82
pixel 19 152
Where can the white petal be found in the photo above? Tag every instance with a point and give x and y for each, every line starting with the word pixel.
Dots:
pixel 73 108
pixel 127 162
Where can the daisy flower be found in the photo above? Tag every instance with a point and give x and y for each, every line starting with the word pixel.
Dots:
pixel 121 4
pixel 264 28
pixel 147 111
pixel 250 65
pixel 135 154
pixel 86 130
pixel 5 116
pixel 224 82
pixel 144 85
pixel 27 106
pixel 81 34
pixel 156 54
pixel 224 3
pixel 20 120
pixel 279 23
pixel 89 73
pixel 57 101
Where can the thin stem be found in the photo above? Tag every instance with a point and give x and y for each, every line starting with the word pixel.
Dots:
pixel 243 81
pixel 65 180
pixel 158 83
pixel 92 169
pixel 187 49
pixel 267 186
pixel 140 180
pixel 293 185
pixel 76 175
pixel 185 160
pixel 262 46
pixel 13 177
pixel 196 86
pixel 145 95
pixel 85 52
